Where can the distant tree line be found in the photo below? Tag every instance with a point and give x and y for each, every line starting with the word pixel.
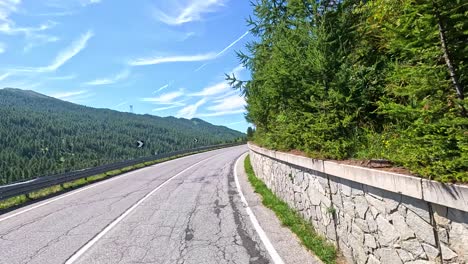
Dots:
pixel 40 135
pixel 362 79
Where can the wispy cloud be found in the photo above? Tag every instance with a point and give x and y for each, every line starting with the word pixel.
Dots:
pixel 123 75
pixel 167 107
pixel 191 110
pixel 4 76
pixel 62 78
pixel 230 103
pixel 81 96
pixel 181 13
pixel 68 53
pixel 223 113
pixel 226 106
pixel 21 83
pixel 7 7
pixel 89 2
pixel 163 87
pixel 8 27
pixel 64 56
pixel 201 67
pixel 121 104
pixel 2 47
pixel 213 89
pixel 35 40
pixel 65 95
pixel 70 4
pixel 31 33
pixel 165 99
pixel 220 87
pixel 232 44
pixel 234 123
pixel 183 58
pixel 224 50
pixel 54 14
pixel 237 70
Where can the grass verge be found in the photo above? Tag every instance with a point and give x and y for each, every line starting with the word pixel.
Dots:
pixel 16 201
pixel 290 218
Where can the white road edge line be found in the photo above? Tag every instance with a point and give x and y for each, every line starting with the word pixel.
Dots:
pixel 93 241
pixel 91 186
pixel 266 241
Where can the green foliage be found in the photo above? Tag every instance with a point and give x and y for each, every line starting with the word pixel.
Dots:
pixel 250 133
pixel 40 135
pixel 45 192
pixel 13 201
pixel 290 218
pixel 362 79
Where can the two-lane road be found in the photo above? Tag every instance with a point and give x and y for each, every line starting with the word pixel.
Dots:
pixel 182 211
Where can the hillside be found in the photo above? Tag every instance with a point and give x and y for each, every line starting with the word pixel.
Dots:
pixel 42 135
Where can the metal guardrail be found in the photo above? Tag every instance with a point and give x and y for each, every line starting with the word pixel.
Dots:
pixel 26 187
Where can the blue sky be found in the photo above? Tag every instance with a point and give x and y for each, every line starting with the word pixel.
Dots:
pixel 163 57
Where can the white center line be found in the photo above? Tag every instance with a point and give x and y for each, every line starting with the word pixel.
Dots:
pixel 266 241
pixel 93 241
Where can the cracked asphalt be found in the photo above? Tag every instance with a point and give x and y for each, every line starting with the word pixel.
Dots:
pixel 197 217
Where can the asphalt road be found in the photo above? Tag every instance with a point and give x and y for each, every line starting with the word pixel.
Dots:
pixel 183 211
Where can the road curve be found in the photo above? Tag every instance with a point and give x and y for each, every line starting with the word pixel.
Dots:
pixel 183 211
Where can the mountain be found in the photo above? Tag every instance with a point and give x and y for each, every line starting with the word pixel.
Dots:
pixel 42 135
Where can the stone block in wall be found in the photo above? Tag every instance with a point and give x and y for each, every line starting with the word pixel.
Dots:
pixel 388 256
pixel 402 227
pixel 376 203
pixel 312 193
pixel 423 230
pixel 371 222
pixel 361 206
pixel 342 233
pixel 363 225
pixel 405 256
pixel 359 253
pixel 347 252
pixel 392 201
pixel 432 253
pixel 326 215
pixel 419 207
pixel 372 260
pixel 357 233
pixel 369 241
pixel 414 247
pixel 448 254
pixel 388 235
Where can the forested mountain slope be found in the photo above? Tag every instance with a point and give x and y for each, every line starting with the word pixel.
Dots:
pixel 42 135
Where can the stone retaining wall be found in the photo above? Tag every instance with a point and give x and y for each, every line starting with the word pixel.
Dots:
pixel 390 219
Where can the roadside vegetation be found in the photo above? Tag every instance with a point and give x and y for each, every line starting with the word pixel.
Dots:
pixel 290 218
pixel 352 79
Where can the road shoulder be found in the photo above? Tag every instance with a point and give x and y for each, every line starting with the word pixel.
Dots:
pixel 284 241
